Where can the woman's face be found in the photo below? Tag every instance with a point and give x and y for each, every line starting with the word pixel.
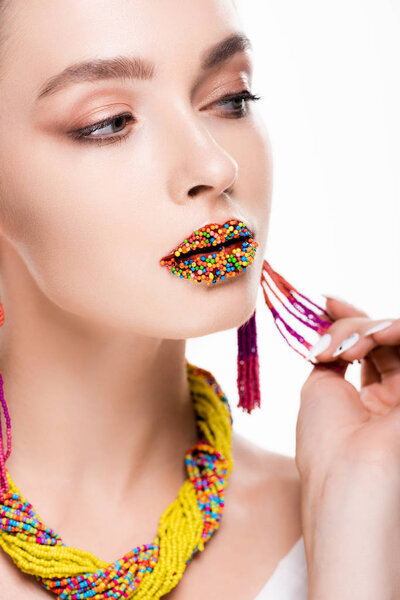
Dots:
pixel 92 216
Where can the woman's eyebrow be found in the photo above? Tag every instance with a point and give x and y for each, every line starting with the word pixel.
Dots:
pixel 120 67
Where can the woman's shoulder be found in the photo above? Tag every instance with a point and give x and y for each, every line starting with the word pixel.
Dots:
pixel 271 484
pixel 260 526
pixel 247 451
pixel 262 466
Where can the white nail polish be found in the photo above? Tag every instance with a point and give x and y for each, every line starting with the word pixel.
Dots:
pixel 320 346
pixel 335 298
pixel 379 327
pixel 347 343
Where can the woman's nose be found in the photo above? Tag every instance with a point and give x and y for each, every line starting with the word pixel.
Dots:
pixel 197 162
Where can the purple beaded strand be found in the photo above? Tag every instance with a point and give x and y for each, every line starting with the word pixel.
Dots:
pixel 248 365
pixel 3 457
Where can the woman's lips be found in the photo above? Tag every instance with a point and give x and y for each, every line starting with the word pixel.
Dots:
pixel 213 252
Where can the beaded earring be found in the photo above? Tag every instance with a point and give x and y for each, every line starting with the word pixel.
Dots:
pixel 247 361
pixel 3 406
pixel 248 364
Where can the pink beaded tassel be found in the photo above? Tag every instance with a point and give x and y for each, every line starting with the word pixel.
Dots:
pixel 248 363
pixel 3 407
pixel 311 319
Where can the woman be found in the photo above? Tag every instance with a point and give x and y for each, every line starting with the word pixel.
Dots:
pixel 93 344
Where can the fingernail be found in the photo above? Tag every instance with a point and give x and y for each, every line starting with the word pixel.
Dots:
pixel 320 346
pixel 336 298
pixel 378 327
pixel 347 343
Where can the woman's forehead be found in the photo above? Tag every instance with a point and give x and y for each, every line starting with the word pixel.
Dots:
pixel 46 37
pixel 145 24
pixel 54 43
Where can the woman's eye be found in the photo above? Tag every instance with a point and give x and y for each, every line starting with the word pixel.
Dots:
pixel 242 98
pixel 107 126
pixel 97 133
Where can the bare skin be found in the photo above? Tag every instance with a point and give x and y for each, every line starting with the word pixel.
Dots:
pixel 261 523
pixel 91 316
pixel 92 351
pixel 350 495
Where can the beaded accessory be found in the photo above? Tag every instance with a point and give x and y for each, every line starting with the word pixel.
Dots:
pixel 150 570
pixel 247 361
pixel 247 365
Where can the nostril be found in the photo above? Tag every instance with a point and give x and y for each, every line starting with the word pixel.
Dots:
pixel 196 189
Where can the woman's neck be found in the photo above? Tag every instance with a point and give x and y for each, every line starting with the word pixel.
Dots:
pixel 90 410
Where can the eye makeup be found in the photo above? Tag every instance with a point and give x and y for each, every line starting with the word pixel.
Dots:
pixel 85 134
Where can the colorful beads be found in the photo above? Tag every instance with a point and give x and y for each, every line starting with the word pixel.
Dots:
pixel 213 265
pixel 4 456
pixel 248 366
pixel 147 571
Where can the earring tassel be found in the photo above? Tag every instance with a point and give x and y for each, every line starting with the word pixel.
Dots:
pixel 248 366
pixel 313 320
pixel 4 487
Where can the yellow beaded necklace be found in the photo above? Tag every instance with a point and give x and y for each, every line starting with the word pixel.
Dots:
pixel 150 570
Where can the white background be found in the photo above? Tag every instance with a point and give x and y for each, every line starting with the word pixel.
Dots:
pixel 328 73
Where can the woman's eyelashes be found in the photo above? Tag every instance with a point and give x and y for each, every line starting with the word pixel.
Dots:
pixel 90 133
pixel 243 96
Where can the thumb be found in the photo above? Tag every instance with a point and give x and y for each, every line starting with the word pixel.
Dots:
pixel 329 405
pixel 339 309
pixel 328 401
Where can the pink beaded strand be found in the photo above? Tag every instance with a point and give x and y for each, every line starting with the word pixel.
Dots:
pixel 313 320
pixel 248 366
pixel 3 456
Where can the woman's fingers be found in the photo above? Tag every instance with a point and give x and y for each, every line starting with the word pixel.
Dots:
pixel 369 372
pixel 352 334
pixel 339 310
pixel 349 338
pixel 380 389
pixel 386 360
pixel 338 423
pixel 389 336
pixel 375 342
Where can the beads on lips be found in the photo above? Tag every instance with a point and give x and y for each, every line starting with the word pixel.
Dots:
pixel 213 253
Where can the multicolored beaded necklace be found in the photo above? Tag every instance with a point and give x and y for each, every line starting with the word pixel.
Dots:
pixel 150 570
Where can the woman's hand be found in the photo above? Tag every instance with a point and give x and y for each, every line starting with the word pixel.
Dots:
pixel 348 457
pixel 338 424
